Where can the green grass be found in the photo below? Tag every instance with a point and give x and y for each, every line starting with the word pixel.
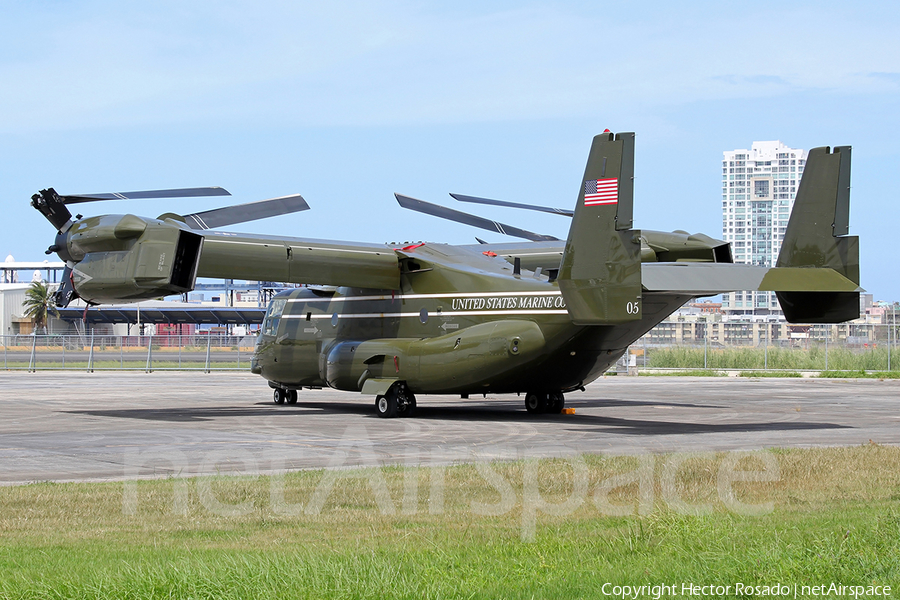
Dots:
pixel 770 374
pixel 860 374
pixel 683 373
pixel 793 359
pixel 835 517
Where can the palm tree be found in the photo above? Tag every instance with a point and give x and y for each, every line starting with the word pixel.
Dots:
pixel 39 303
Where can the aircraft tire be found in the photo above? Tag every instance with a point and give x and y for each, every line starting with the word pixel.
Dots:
pixel 556 402
pixel 536 402
pixel 386 406
pixel 291 396
pixel 279 395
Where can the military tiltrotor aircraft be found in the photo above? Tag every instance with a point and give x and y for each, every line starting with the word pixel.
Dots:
pixel 541 317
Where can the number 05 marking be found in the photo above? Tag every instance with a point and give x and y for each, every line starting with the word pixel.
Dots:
pixel 632 308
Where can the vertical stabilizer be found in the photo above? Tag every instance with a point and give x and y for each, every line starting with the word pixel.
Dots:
pixel 816 237
pixel 600 273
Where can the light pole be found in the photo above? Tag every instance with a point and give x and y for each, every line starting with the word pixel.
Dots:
pixel 705 345
pixel 892 335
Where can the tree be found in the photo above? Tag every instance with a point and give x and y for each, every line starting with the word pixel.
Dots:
pixel 39 303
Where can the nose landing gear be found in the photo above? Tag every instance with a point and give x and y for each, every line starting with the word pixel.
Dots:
pixel 282 396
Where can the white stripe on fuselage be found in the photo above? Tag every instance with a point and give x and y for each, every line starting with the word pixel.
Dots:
pixel 446 313
pixel 424 296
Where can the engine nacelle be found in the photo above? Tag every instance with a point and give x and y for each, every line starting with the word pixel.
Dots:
pixel 127 258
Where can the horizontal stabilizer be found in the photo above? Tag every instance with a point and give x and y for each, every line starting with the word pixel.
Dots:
pixel 816 277
pixel 707 279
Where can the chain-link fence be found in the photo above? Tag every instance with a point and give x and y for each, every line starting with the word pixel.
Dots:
pixel 135 353
pixel 762 347
pixel 769 347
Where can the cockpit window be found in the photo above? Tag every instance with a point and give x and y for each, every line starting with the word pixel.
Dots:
pixel 273 316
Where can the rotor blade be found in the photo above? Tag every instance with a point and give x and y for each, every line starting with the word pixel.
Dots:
pixel 241 213
pixel 467 219
pixel 547 209
pixel 143 195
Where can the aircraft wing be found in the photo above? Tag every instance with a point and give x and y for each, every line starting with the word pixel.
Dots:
pixel 165 257
pixel 298 260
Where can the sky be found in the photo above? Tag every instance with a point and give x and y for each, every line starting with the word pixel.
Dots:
pixel 349 102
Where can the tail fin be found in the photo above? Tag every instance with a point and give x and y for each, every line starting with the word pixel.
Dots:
pixel 600 272
pixel 817 237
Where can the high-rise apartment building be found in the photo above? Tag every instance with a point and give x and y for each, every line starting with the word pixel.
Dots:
pixel 758 190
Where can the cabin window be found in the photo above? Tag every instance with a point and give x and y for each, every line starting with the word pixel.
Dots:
pixel 273 316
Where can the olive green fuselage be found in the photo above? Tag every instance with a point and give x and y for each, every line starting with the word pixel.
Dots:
pixel 461 323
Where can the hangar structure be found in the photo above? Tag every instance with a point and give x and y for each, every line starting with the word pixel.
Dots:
pixel 170 313
pixel 16 277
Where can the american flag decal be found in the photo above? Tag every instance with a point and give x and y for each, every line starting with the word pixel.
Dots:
pixel 601 191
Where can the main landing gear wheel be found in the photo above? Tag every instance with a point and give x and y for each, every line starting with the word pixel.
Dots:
pixel 398 401
pixel 556 402
pixel 279 395
pixel 538 402
pixel 386 406
pixel 535 402
pixel 291 396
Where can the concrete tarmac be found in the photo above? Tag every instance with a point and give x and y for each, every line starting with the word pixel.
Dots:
pixel 68 426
